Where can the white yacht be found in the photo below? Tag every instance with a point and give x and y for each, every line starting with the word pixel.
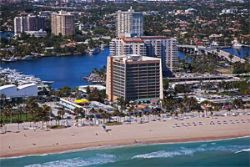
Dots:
pixel 236 44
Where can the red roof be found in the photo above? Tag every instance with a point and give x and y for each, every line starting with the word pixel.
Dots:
pixel 134 40
pixel 153 37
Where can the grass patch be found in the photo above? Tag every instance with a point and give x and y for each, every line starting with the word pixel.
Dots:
pixel 15 118
pixel 113 123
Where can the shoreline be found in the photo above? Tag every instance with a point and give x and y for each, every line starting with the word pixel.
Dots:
pixel 81 54
pixel 52 55
pixel 39 57
pixel 113 146
pixel 28 142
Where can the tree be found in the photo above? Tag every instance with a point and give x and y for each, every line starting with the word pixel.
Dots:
pixel 7 112
pixel 118 114
pixel 45 113
pixel 122 103
pixel 20 113
pixel 238 103
pixel 165 84
pixel 64 92
pixel 97 95
pixel 169 104
pixel 190 104
pixel 32 109
pixel 231 57
pixel 61 113
pixel 77 112
pixel 207 106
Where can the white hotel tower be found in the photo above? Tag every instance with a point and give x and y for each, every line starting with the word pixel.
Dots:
pixel 152 46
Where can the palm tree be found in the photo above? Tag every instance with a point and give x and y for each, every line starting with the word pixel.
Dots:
pixel 31 109
pixel 131 111
pixel 7 112
pixel 20 113
pixel 238 103
pixel 169 104
pixel 122 103
pixel 45 114
pixel 118 114
pixel 207 106
pixel 78 111
pixel 61 114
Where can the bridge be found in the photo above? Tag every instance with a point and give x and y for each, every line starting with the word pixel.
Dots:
pixel 193 49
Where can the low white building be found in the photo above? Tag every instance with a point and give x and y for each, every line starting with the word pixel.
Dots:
pixel 37 34
pixel 68 104
pixel 13 91
pixel 84 87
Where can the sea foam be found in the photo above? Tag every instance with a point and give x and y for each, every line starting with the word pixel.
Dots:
pixel 78 162
pixel 162 154
pixel 243 150
pixel 183 151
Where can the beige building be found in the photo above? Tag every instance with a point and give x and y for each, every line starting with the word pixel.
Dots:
pixel 134 77
pixel 129 23
pixel 62 23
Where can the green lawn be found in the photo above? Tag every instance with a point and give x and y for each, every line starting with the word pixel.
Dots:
pixel 16 118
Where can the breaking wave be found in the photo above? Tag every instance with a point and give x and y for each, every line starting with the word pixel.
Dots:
pixel 162 154
pixel 78 162
pixel 190 151
pixel 243 150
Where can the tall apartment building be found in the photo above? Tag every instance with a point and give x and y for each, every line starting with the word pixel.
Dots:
pixel 62 23
pixel 28 23
pixel 152 46
pixel 134 77
pixel 129 23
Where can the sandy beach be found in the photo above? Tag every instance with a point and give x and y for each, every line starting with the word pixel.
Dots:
pixel 28 142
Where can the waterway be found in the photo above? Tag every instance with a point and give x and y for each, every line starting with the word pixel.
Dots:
pixel 6 34
pixel 241 52
pixel 70 70
pixel 63 70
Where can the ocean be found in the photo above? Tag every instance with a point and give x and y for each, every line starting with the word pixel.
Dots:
pixel 223 153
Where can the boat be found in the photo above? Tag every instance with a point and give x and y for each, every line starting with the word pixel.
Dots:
pixel 48 82
pixel 27 57
pixel 214 44
pixel 94 51
pixel 12 76
pixel 10 59
pixel 102 46
pixel 236 44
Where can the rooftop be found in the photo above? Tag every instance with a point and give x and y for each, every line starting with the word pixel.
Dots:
pixel 135 57
pixel 7 86
pixel 26 86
